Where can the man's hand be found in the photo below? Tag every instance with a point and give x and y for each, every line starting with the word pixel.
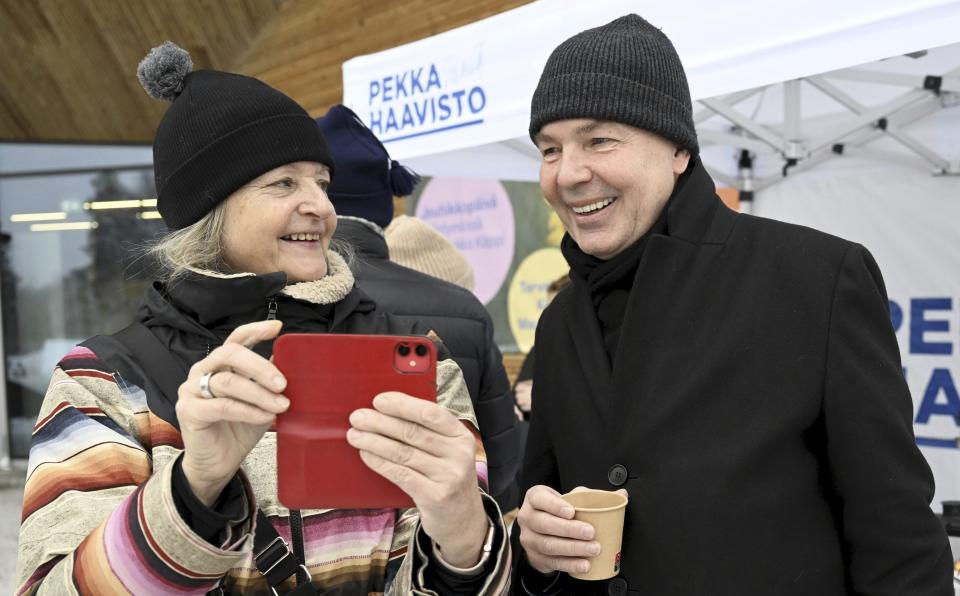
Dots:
pixel 553 540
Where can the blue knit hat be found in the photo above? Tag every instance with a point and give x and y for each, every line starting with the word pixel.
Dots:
pixel 367 179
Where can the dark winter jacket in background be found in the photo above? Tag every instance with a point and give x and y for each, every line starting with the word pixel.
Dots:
pixel 461 320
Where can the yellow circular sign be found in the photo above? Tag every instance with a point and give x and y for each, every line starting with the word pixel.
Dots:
pixel 556 230
pixel 527 296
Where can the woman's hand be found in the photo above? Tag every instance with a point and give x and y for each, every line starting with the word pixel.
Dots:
pixel 422 448
pixel 219 432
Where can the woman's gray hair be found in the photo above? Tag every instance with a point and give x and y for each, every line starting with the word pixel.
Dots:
pixel 197 246
pixel 347 251
pixel 200 246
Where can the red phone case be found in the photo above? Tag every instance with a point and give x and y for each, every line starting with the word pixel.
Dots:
pixel 328 377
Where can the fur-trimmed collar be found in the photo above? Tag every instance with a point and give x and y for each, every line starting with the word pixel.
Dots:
pixel 329 289
pixel 332 287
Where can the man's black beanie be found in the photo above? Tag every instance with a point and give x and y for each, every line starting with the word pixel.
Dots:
pixel 221 131
pixel 625 71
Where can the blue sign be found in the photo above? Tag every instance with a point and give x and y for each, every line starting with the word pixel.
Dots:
pixel 939 398
pixel 415 103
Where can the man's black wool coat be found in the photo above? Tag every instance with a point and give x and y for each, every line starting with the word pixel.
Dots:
pixel 756 412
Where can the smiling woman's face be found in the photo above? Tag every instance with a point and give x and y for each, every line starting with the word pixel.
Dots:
pixel 281 221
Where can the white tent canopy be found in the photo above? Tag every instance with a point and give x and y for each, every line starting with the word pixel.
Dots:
pixel 458 103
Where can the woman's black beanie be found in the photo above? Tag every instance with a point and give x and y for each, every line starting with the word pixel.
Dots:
pixel 221 131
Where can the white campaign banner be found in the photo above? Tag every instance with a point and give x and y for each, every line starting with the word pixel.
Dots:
pixel 910 222
pixel 472 85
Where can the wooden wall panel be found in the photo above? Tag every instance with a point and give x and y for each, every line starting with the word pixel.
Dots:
pixel 68 66
pixel 512 362
pixel 303 48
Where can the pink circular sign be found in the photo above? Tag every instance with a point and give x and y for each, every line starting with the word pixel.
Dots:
pixel 476 215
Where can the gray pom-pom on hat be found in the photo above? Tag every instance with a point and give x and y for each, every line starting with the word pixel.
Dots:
pixel 163 70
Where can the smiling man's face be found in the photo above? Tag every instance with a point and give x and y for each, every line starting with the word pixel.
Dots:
pixel 607 181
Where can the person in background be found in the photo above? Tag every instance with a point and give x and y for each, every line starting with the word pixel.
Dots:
pixel 523 385
pixel 362 192
pixel 417 245
pixel 153 463
pixel 739 377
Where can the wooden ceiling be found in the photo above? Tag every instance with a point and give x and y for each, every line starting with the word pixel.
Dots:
pixel 68 67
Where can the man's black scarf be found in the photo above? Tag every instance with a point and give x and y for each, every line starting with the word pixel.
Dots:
pixel 609 282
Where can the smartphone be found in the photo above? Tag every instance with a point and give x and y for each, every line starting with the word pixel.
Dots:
pixel 328 377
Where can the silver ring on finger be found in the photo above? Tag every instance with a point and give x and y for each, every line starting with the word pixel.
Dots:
pixel 205 391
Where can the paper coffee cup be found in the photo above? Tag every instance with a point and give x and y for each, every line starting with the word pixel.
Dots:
pixel 604 510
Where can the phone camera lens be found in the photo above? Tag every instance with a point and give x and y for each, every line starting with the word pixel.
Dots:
pixel 403 350
pixel 421 350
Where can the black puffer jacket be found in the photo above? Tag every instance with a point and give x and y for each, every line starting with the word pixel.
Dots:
pixel 467 331
pixel 196 313
pixel 192 320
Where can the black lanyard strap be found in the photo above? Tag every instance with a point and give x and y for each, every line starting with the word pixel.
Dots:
pixel 275 560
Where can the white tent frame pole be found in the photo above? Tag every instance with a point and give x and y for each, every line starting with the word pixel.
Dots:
pixel 716 137
pixel 791 120
pixel 806 164
pixel 891 78
pixel 727 111
pixel 869 118
pixel 907 116
pixel 800 156
pixel 902 118
pixel 731 100
pixel 892 130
